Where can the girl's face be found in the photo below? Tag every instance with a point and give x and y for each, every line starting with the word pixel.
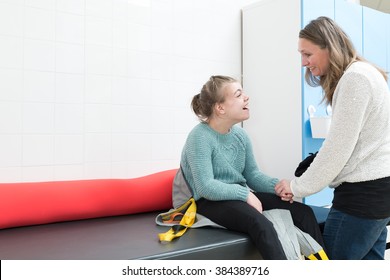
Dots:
pixel 313 57
pixel 235 106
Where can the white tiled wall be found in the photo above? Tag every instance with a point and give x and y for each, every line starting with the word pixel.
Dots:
pixel 101 88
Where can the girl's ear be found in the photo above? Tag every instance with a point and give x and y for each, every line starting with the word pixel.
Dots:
pixel 219 108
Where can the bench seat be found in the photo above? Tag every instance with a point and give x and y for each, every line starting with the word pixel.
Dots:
pixel 124 237
pixel 120 237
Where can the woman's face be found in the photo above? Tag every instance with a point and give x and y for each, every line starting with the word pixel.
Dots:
pixel 313 57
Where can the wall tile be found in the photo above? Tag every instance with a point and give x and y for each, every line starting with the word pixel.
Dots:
pixel 13 2
pixel 11 54
pixel 69 88
pixel 162 120
pixel 140 147
pixel 10 117
pixel 98 118
pixel 68 149
pixel 11 20
pixel 98 148
pixel 70 28
pixel 38 173
pixel 97 170
pixel 139 11
pixel 39 24
pixel 119 9
pixel 119 33
pixel 38 150
pixel 120 148
pixel 11 84
pixel 162 39
pixel 119 90
pixel 11 154
pixel 120 119
pixel 162 147
pixel 39 86
pixel 139 64
pixel 98 60
pixel 162 93
pixel 98 89
pixel 162 67
pixel 139 37
pixel 11 174
pixel 69 172
pixel 38 118
pixel 70 58
pixel 68 118
pixel 98 31
pixel 99 8
pixel 39 55
pixel 162 13
pixel 140 119
pixel 119 62
pixel 140 91
pixel 44 4
pixel 71 6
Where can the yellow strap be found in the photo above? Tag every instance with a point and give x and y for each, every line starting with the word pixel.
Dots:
pixel 320 255
pixel 323 255
pixel 187 221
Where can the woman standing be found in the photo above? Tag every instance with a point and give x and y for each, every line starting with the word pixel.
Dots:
pixel 355 156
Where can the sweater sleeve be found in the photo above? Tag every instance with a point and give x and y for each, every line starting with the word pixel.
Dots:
pixel 350 106
pixel 256 180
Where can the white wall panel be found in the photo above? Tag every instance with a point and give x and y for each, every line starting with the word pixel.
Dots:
pixel 271 78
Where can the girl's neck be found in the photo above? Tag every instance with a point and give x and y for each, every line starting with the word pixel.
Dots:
pixel 220 126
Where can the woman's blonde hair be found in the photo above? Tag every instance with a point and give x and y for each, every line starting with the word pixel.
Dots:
pixel 326 34
pixel 211 93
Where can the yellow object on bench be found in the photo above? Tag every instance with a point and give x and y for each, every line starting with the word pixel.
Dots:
pixel 188 213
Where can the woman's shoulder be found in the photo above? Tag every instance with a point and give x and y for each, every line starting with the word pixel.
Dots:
pixel 363 72
pixel 363 68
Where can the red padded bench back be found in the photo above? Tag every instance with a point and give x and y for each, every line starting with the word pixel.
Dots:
pixel 33 203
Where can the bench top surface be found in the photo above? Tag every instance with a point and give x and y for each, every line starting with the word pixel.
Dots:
pixel 120 237
pixel 110 238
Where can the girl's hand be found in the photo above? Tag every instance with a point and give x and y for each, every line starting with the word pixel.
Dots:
pixel 253 201
pixel 282 189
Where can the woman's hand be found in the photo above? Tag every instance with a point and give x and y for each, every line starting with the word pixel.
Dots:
pixel 282 189
pixel 253 201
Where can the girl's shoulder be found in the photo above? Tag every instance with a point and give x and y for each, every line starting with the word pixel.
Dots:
pixel 237 129
pixel 240 133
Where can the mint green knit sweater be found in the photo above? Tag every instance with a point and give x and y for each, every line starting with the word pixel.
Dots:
pixel 222 166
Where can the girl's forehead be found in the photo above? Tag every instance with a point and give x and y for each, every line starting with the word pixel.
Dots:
pixel 232 88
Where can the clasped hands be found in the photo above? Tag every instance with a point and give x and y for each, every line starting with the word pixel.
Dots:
pixel 282 189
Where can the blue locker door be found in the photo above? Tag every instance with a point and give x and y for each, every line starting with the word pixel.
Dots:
pixel 375 30
pixel 349 17
pixel 311 9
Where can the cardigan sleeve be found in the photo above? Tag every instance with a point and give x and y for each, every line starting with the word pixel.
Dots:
pixel 350 108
